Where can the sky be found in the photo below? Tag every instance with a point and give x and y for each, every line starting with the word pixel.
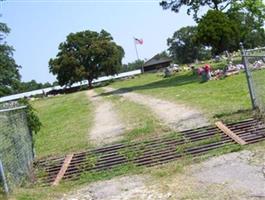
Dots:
pixel 39 26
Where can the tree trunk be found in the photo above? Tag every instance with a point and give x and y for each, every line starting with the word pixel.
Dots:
pixel 89 84
pixel 216 3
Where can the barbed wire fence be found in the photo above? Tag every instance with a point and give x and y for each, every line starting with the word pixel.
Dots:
pixel 16 147
pixel 254 62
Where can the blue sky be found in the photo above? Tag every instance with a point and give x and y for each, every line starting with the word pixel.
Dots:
pixel 38 26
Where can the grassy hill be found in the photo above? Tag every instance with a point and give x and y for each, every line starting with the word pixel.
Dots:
pixel 216 98
pixel 66 120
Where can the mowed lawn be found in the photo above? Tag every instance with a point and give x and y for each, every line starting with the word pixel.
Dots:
pixel 215 98
pixel 66 120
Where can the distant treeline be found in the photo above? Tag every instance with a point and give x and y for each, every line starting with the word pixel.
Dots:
pixel 20 87
pixel 137 64
pixel 34 85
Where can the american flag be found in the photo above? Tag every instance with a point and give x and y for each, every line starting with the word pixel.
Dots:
pixel 138 41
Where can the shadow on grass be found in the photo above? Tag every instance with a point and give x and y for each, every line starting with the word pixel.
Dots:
pixel 174 81
pixel 235 116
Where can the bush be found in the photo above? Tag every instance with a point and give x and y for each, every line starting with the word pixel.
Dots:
pixel 32 118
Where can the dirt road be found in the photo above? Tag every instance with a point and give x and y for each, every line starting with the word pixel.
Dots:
pixel 176 116
pixel 107 126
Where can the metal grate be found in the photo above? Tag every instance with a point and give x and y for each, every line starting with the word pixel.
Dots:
pixel 149 153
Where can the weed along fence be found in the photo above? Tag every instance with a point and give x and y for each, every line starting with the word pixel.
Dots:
pixel 189 143
pixel 16 147
pixel 254 61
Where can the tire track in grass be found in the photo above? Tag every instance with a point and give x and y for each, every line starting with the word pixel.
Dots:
pixel 107 126
pixel 140 123
pixel 176 116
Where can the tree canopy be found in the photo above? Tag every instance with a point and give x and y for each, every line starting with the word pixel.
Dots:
pixel 216 30
pixel 225 25
pixel 224 31
pixel 256 8
pixel 32 85
pixel 86 55
pixel 250 29
pixel 9 76
pixel 195 5
pixel 184 48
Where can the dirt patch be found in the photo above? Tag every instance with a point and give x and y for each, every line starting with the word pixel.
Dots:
pixel 120 188
pixel 107 126
pixel 230 176
pixel 176 116
pixel 234 171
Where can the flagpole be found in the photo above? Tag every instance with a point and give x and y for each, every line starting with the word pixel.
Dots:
pixel 137 54
pixel 135 48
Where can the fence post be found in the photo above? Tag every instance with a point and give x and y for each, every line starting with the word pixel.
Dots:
pixel 249 78
pixel 3 178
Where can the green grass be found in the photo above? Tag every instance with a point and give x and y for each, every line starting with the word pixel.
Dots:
pixel 66 121
pixel 216 98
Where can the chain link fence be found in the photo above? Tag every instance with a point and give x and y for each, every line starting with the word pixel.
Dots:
pixel 16 146
pixel 254 61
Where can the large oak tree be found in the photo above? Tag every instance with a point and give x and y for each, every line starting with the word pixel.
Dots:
pixel 86 55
